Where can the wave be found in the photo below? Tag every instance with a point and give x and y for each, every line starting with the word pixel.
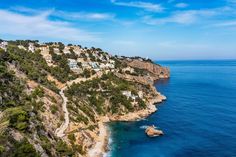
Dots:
pixel 108 153
pixel 144 127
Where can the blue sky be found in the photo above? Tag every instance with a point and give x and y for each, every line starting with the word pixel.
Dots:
pixel 159 29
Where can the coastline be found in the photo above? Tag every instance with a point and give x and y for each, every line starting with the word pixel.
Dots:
pixel 101 147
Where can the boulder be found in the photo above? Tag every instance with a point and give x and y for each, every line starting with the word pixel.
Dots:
pixel 151 131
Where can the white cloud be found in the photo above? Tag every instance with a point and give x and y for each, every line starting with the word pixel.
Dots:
pixel 84 15
pixel 39 26
pixel 181 5
pixel 225 24
pixel 185 17
pixel 139 4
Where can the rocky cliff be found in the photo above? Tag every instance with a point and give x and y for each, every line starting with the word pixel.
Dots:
pixel 156 70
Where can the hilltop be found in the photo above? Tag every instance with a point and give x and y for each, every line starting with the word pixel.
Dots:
pixel 55 98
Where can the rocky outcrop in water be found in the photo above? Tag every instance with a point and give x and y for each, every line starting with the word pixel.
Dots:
pixel 151 131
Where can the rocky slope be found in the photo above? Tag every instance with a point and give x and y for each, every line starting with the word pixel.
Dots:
pixel 156 70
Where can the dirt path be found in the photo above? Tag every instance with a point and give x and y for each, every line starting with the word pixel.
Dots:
pixel 60 131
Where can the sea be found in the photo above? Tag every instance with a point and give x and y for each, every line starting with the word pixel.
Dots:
pixel 198 118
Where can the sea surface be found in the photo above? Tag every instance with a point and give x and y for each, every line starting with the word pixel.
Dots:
pixel 198 118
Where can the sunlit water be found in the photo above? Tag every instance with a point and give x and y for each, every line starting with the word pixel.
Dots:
pixel 198 119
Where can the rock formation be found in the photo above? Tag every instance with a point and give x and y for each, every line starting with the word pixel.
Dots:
pixel 151 131
pixel 156 70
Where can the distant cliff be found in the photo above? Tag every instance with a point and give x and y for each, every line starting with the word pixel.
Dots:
pixel 156 70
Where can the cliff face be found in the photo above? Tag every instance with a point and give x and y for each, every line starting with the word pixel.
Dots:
pixel 157 71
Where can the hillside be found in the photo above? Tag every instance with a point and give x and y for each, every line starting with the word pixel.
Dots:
pixel 55 98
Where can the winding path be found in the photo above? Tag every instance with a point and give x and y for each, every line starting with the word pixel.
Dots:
pixel 60 131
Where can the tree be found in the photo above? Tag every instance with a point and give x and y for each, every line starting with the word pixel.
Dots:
pixel 23 149
pixel 19 119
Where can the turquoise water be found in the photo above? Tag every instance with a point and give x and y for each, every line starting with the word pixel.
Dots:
pixel 198 119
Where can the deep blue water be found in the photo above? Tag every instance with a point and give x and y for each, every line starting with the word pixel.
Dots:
pixel 198 119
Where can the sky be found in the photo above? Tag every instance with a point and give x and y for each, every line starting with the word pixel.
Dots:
pixel 158 29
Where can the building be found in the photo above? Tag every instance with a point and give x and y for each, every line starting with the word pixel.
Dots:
pixel 112 61
pixel 72 63
pixel 128 69
pixel 109 65
pixel 56 51
pixel 74 66
pixel 66 50
pixel 44 48
pixel 95 66
pixel 134 97
pixel 102 66
pixel 140 94
pixel 3 45
pixel 21 47
pixel 127 93
pixel 48 58
pixel 31 47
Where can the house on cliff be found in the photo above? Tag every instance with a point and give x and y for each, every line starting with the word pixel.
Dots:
pixel 3 45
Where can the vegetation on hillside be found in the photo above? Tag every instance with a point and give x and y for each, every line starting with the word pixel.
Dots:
pixel 25 100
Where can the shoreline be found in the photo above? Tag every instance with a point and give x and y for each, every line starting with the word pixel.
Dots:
pixel 101 146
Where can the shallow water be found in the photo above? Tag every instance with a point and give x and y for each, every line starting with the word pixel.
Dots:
pixel 198 119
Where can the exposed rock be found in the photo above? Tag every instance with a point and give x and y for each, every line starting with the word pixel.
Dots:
pixel 16 135
pixel 151 131
pixel 156 70
pixel 140 79
pixel 133 116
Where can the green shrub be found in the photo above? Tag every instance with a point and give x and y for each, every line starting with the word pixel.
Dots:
pixel 19 119
pixel 24 149
pixel 71 137
pixel 63 149
pixel 2 148
pixel 53 109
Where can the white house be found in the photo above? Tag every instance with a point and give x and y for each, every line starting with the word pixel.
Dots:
pixel 56 51
pixel 109 65
pixel 94 66
pixel 3 45
pixel 127 93
pixel 21 47
pixel 48 58
pixel 131 70
pixel 112 61
pixel 73 66
pixel 66 50
pixel 134 97
pixel 102 66
pixel 31 47
pixel 140 94
pixel 72 63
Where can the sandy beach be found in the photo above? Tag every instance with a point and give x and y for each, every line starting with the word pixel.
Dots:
pixel 99 148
